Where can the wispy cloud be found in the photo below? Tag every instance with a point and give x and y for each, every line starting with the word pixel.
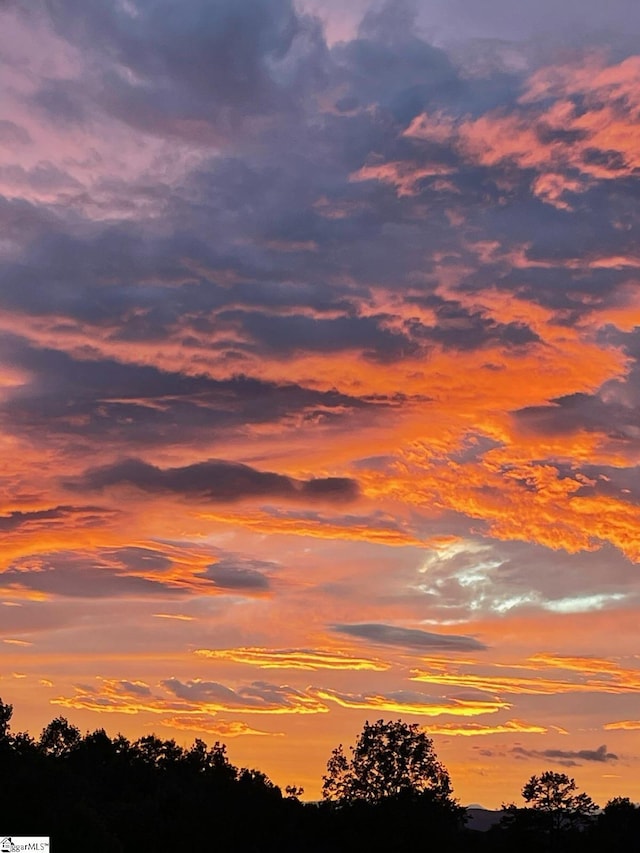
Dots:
pixel 409 638
pixel 623 725
pixel 587 675
pixel 189 697
pixel 412 702
pixel 304 659
pixel 477 729
pixel 217 728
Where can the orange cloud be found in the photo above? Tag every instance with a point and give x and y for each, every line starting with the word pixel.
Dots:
pixel 110 698
pixel 623 725
pixel 404 177
pixel 267 523
pixel 293 659
pixel 218 728
pixel 608 673
pixel 610 677
pixel 411 704
pixel 516 497
pixel 177 616
pixel 191 697
pixel 474 729
pixel 513 685
pixel 597 142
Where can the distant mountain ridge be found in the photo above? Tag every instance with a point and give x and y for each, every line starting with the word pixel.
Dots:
pixel 481 819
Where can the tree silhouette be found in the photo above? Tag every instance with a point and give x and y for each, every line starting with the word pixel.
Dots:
pixel 294 792
pixel 6 712
pixel 619 824
pixel 621 807
pixel 59 738
pixel 554 819
pixel 556 795
pixel 158 753
pixel 389 759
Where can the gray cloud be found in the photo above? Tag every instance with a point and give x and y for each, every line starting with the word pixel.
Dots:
pixel 613 410
pixel 259 696
pixel 216 481
pixel 128 280
pixel 208 64
pixel 579 411
pixel 13 134
pixel 568 758
pixel 137 688
pixel 458 328
pixel 55 516
pixel 574 20
pixel 61 103
pixel 283 335
pixel 239 574
pixel 141 405
pixel 409 638
pixel 137 559
pixel 496 20
pixel 72 574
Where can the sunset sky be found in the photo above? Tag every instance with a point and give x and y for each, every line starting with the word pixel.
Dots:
pixel 320 379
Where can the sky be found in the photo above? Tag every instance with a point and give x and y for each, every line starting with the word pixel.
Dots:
pixel 320 379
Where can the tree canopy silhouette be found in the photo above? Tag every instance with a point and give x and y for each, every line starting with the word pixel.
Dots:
pixel 388 760
pixel 619 824
pixel 59 738
pixel 6 712
pixel 556 815
pixel 556 795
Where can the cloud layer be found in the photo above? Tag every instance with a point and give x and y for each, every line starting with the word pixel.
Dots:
pixel 319 354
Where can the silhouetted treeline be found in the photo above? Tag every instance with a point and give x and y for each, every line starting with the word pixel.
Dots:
pixel 111 795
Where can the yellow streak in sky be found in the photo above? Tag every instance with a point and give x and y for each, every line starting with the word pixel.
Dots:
pixel 178 616
pixel 457 707
pixel 525 686
pixel 620 677
pixel 219 728
pixel 610 677
pixel 293 659
pixel 472 729
pixel 623 725
pixel 273 525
